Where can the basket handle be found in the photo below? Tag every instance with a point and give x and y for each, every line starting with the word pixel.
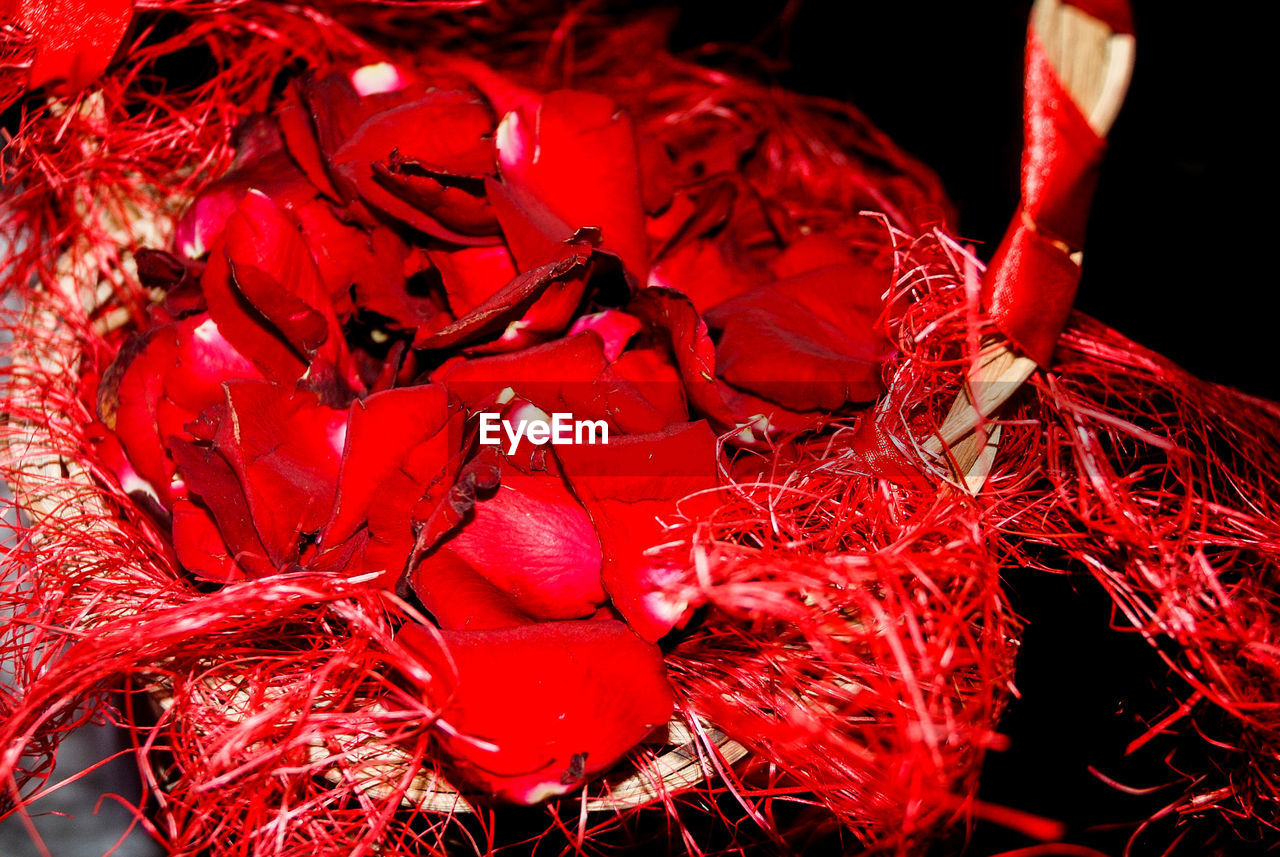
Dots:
pixel 1079 61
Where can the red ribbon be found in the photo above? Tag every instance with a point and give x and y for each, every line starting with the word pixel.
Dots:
pixel 74 40
pixel 1032 280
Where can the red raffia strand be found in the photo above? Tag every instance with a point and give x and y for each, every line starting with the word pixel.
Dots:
pixel 1156 483
pixel 1164 488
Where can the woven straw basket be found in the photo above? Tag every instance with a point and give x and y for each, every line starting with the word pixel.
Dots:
pixel 1093 63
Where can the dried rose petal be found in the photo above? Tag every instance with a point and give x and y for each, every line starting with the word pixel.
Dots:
pixel 638 392
pixel 213 530
pixel 538 709
pixel 564 279
pixel 381 432
pixel 161 381
pixel 423 163
pixel 694 353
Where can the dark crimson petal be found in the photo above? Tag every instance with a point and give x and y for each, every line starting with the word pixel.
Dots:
pixel 273 268
pixel 577 157
pixel 536 710
pixel 108 450
pixel 438 519
pixel 128 399
pixel 381 432
pixel 639 392
pixel 209 479
pixel 531 231
pixel 691 346
pixel 808 342
pixel 159 384
pixel 452 205
pixel 814 252
pixel 383 271
pixel 448 133
pixel 630 488
pixel 243 326
pixel 459 599
pixel 338 109
pixel 645 392
pixel 261 164
pixel 751 419
pixel 565 275
pixel 347 254
pixel 503 93
pixel 543 374
pixel 695 213
pixel 286 450
pixel 532 540
pixel 700 270
pixel 199 544
pixel 444 137
pixel 299 133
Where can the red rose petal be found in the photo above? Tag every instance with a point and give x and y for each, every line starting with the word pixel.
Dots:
pixel 245 328
pixel 614 328
pixel 299 135
pixel 814 252
pixel 457 206
pixel 203 361
pixel 532 540
pixel 273 268
pixel 285 449
pixel 209 479
pixel 807 343
pixel 629 487
pixel 406 160
pixel 699 270
pixel 422 480
pixel 566 276
pixel 128 401
pixel 381 432
pixel 753 419
pixel 539 709
pixel 503 93
pixel 472 275
pixel 199 545
pixel 532 232
pixel 644 392
pixel 637 393
pixel 577 157
pixel 549 375
pixel 459 598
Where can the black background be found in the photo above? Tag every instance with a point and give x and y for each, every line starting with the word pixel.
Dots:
pixel 1179 257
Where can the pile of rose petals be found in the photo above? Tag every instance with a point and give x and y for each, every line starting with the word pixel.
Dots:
pixel 397 251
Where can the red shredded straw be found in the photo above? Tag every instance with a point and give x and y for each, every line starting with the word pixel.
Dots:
pixel 857 641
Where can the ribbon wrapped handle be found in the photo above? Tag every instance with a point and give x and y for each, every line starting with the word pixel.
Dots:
pixel 1079 61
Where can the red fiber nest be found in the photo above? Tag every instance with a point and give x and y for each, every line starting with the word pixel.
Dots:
pixel 263 306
